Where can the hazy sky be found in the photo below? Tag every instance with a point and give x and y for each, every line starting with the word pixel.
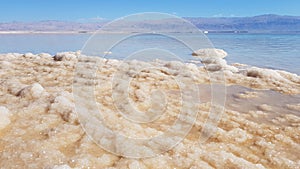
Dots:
pixel 79 10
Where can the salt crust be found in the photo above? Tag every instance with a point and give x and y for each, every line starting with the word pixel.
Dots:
pixel 40 129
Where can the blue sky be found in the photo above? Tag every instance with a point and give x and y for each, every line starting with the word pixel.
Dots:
pixel 80 10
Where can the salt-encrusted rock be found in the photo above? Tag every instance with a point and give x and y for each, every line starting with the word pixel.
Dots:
pixel 216 64
pixel 176 65
pixel 33 91
pixel 77 53
pixel 65 56
pixel 45 55
pixel 232 68
pixel 65 166
pixel 58 57
pixel 36 90
pixel 213 67
pixel 5 65
pixel 136 165
pixel 238 135
pixel 290 76
pixel 212 60
pixel 9 56
pixel 264 73
pixel 29 55
pixel 64 105
pixel 4 117
pixel 247 94
pixel 293 106
pixel 210 52
pixel 271 77
pixel 13 86
pixel 264 107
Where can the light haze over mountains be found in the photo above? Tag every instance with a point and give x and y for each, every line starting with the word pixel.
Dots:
pixel 258 24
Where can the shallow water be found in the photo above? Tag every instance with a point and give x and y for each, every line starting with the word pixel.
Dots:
pixel 277 51
pixel 235 101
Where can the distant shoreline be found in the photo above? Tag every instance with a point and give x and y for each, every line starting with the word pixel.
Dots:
pixel 257 24
pixel 92 32
pixel 45 32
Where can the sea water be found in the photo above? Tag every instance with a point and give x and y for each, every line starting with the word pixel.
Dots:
pixel 275 51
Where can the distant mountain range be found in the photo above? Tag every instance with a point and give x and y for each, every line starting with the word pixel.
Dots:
pixel 256 24
pixel 262 23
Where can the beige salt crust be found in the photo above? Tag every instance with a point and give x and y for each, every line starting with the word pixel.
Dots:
pixel 39 127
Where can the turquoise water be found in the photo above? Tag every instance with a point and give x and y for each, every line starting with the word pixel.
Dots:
pixel 276 51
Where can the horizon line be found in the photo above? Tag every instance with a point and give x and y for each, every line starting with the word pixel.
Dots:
pixel 95 19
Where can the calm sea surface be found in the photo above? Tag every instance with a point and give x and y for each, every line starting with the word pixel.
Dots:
pixel 276 51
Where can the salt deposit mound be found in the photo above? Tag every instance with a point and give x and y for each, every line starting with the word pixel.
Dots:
pixel 210 52
pixel 39 127
pixel 213 59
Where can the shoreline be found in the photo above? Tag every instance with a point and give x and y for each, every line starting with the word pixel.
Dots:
pixel 197 62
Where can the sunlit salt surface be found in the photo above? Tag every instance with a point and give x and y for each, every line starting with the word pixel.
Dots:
pixel 39 127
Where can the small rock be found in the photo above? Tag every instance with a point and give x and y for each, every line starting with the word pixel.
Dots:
pixel 57 58
pixel 253 73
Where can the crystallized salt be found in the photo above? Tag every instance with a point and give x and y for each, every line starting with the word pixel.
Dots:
pixel 33 91
pixel 65 56
pixel 36 90
pixel 64 105
pixel 4 117
pixel 65 166
pixel 265 107
pixel 210 52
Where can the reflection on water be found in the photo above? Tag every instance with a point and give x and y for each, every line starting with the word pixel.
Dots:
pixel 264 50
pixel 245 100
pixel 279 51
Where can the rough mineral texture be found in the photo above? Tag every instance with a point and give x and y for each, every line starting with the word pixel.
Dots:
pixel 39 125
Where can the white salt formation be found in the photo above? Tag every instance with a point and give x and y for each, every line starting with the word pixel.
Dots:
pixel 39 126
pixel 293 106
pixel 4 117
pixel 33 91
pixel 210 52
pixel 213 59
pixel 61 167
pixel 64 105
